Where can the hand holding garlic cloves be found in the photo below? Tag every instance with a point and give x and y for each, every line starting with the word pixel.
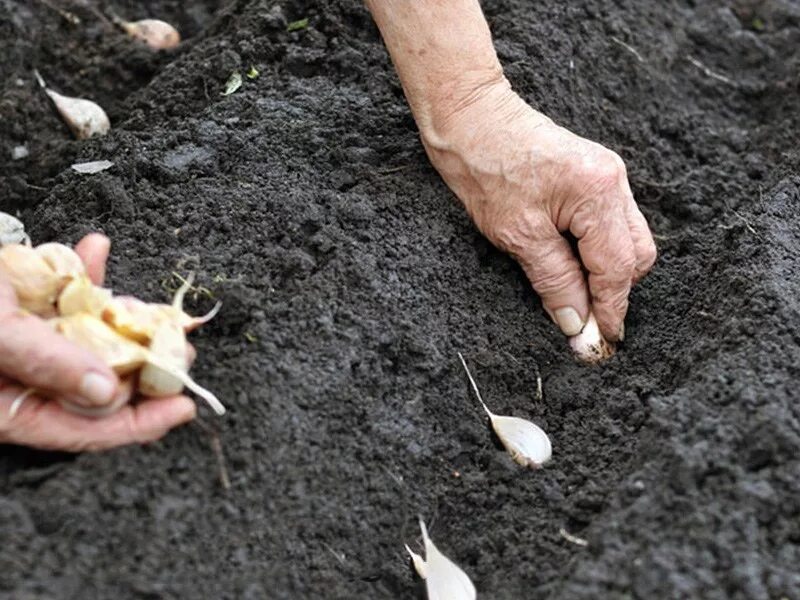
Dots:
pixel 33 356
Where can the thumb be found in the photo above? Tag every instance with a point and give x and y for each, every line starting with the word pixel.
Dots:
pixel 557 277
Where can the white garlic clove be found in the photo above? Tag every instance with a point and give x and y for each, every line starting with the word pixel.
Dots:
pixel 590 345
pixel 83 117
pixel 168 344
pixel 12 231
pixel 157 34
pixel 81 296
pixel 64 261
pixel 526 442
pixel 90 333
pixel 444 580
pixel 34 282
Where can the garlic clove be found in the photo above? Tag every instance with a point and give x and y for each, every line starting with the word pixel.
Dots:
pixel 12 231
pixel 90 333
pixel 444 580
pixel 590 345
pixel 157 34
pixel 133 318
pixel 526 442
pixel 35 283
pixel 64 261
pixel 81 296
pixel 83 117
pixel 170 346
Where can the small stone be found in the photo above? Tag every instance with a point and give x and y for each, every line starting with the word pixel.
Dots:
pixel 19 152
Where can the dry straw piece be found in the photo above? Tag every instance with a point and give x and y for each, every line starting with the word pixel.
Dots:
pixel 526 442
pixel 83 117
pixel 444 580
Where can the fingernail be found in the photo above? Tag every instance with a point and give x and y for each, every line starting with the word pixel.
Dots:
pixel 621 335
pixel 97 388
pixel 569 321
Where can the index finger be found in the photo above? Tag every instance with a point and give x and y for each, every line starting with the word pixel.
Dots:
pixel 608 253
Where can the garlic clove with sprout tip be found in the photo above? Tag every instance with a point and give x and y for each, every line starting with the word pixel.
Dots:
pixel 590 345
pixel 444 580
pixel 157 34
pixel 526 442
pixel 83 117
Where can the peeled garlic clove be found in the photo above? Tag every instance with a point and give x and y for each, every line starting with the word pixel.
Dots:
pixel 34 282
pixel 444 580
pixel 526 442
pixel 82 296
pixel 157 34
pixel 84 117
pixel 170 346
pixel 12 231
pixel 133 318
pixel 64 261
pixel 590 345
pixel 90 333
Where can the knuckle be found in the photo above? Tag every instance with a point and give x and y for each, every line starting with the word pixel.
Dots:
pixel 603 168
pixel 554 282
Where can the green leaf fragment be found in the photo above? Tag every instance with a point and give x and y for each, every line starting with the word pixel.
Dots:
pixel 297 25
pixel 252 73
pixel 758 24
pixel 234 83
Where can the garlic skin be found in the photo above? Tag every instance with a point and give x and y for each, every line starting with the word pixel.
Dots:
pixel 83 117
pixel 12 231
pixel 444 580
pixel 590 345
pixel 157 34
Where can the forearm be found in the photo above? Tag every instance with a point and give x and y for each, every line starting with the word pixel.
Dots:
pixel 443 53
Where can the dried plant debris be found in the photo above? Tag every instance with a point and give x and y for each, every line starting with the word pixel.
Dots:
pixel 525 441
pixel 84 118
pixel 131 336
pixel 444 580
pixel 234 83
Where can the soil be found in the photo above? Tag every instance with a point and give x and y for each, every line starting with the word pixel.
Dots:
pixel 351 278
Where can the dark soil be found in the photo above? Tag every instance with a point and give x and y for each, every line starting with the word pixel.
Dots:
pixel 351 278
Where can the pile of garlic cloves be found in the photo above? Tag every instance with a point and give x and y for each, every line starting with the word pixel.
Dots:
pixel 131 336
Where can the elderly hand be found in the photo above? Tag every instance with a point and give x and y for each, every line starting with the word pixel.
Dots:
pixel 32 355
pixel 526 182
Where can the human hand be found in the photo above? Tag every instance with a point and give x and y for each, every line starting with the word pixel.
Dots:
pixel 32 355
pixel 526 181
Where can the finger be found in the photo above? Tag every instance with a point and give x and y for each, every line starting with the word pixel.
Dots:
pixel 38 357
pixel 607 252
pixel 125 391
pixel 643 243
pixel 48 426
pixel 556 275
pixel 93 250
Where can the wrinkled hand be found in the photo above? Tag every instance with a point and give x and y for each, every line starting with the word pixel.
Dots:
pixel 32 355
pixel 526 181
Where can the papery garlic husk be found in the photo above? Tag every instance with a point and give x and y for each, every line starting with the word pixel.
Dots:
pixel 170 346
pixel 90 333
pixel 590 345
pixel 64 261
pixel 444 580
pixel 82 296
pixel 526 442
pixel 12 231
pixel 157 34
pixel 83 117
pixel 35 283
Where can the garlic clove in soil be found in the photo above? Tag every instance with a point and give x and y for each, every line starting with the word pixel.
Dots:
pixel 590 345
pixel 83 117
pixel 444 580
pixel 157 34
pixel 526 442
pixel 12 231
